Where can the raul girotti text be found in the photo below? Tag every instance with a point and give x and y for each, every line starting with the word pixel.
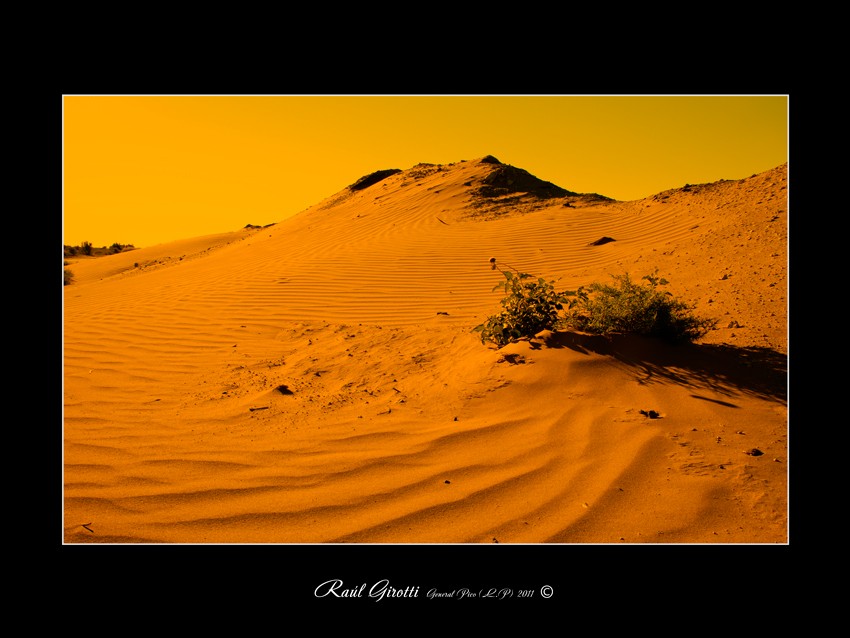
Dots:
pixel 383 589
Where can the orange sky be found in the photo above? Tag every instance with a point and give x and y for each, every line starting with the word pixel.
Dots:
pixel 145 170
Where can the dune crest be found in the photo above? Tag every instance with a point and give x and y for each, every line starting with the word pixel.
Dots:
pixel 318 380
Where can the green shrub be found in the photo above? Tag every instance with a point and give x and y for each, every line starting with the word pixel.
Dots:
pixel 530 306
pixel 527 308
pixel 67 276
pixel 632 308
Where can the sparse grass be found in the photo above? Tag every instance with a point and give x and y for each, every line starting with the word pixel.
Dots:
pixel 625 307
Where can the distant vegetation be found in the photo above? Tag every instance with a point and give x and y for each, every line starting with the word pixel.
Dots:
pixel 625 307
pixel 88 250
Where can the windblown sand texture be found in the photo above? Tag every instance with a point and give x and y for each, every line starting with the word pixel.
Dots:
pixel 318 380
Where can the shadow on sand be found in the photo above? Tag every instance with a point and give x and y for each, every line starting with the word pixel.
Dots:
pixel 722 369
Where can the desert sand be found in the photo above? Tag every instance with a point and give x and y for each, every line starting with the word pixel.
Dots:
pixel 318 381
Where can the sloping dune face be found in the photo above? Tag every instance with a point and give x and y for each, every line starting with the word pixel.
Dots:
pixel 318 380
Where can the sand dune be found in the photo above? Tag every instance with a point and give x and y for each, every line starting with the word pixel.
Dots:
pixel 317 381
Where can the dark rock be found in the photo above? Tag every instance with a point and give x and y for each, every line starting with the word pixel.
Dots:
pixel 508 179
pixel 602 240
pixel 284 389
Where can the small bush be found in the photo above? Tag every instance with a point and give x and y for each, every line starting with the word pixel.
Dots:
pixel 86 248
pixel 623 308
pixel 67 276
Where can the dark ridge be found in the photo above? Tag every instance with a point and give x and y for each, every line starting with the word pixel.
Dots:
pixel 508 179
pixel 601 240
pixel 373 178
pixel 489 159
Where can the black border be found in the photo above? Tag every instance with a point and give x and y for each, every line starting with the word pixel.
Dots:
pixel 268 579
